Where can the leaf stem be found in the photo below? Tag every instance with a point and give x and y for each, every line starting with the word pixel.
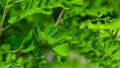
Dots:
pixel 102 19
pixel 3 19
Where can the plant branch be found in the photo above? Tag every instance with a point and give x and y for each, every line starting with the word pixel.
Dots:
pixel 3 19
pixel 104 19
pixel 59 17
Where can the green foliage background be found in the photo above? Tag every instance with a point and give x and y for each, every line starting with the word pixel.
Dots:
pixel 33 36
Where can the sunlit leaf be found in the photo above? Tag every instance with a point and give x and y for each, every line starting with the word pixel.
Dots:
pixel 62 49
pixel 12 20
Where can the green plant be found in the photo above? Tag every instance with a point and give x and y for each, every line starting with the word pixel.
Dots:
pixel 59 33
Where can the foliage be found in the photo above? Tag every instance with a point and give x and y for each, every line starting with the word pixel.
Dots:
pixel 59 33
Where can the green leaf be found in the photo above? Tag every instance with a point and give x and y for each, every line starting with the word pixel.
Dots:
pixel 39 34
pixel 6 66
pixel 82 25
pixel 30 47
pixel 77 2
pixel 28 36
pixel 54 4
pixel 46 10
pixel 53 31
pixel 20 60
pixel 115 24
pixel 65 4
pixel 116 55
pixel 61 35
pixel 50 39
pixel 104 10
pixel 44 37
pixel 28 65
pixel 48 28
pixel 12 20
pixel 8 57
pixel 92 12
pixel 62 49
pixel 14 40
pixel 6 47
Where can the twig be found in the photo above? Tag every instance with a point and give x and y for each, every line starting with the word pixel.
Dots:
pixel 102 19
pixel 4 15
pixel 3 19
pixel 5 27
pixel 59 17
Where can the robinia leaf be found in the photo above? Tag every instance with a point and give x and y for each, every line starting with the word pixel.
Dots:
pixel 60 35
pixel 12 20
pixel 30 47
pixel 14 40
pixel 62 49
pixel 6 47
pixel 50 39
